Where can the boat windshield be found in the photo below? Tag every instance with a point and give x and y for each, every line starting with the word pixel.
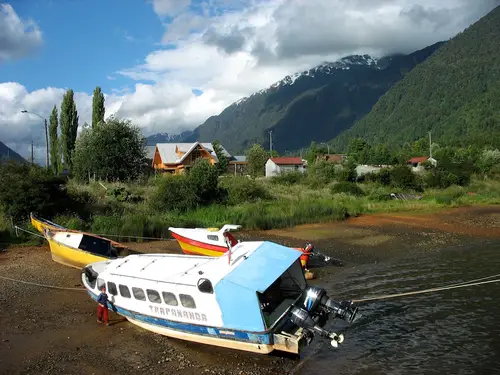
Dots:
pixel 95 245
pixel 282 293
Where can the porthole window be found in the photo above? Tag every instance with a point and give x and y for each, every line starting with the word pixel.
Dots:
pixel 170 299
pixel 138 294
pixel 124 291
pixel 205 286
pixel 187 301
pixel 100 284
pixel 153 296
pixel 112 288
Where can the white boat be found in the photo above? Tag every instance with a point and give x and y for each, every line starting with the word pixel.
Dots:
pixel 254 299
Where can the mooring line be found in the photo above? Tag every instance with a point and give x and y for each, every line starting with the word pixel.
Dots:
pixel 27 231
pixel 456 286
pixel 42 285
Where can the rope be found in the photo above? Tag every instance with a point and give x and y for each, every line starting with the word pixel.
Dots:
pixel 27 231
pixel 102 235
pixel 463 285
pixel 41 285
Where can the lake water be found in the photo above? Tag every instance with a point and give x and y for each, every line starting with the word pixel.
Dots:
pixel 449 332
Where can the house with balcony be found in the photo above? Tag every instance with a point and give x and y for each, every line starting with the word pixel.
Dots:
pixel 177 158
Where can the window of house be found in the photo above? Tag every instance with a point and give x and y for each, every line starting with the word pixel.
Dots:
pixel 170 299
pixel 112 288
pixel 213 237
pixel 153 296
pixel 187 301
pixel 205 286
pixel 138 294
pixel 100 283
pixel 124 291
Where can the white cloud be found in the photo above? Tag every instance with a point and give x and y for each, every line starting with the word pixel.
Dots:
pixel 18 38
pixel 238 52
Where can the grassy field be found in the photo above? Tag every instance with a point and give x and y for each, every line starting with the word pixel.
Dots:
pixel 270 205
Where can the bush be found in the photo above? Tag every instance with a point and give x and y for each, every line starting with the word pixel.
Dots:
pixel 403 177
pixel 204 180
pixel 288 178
pixel 25 189
pixel 123 195
pixel 243 189
pixel 174 193
pixel 347 188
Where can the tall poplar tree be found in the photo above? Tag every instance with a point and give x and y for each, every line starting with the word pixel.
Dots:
pixel 55 154
pixel 69 127
pixel 98 109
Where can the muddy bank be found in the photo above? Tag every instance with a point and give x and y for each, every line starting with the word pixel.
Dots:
pixel 53 331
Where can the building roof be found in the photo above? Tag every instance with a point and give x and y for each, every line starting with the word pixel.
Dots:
pixel 287 161
pixel 168 155
pixel 239 159
pixel 418 159
pixel 332 157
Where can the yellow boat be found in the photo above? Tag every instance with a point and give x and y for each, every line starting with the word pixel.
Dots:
pixel 78 249
pixel 41 224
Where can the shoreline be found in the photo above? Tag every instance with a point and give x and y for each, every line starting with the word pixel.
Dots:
pixel 56 331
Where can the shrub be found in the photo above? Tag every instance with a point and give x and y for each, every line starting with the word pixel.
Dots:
pixel 403 177
pixel 243 189
pixel 123 195
pixel 174 193
pixel 288 178
pixel 347 188
pixel 25 189
pixel 204 181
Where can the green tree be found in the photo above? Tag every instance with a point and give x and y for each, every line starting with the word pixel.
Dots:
pixel 55 154
pixel 204 178
pixel 174 193
pixel 69 127
pixel 28 188
pixel 98 109
pixel 223 162
pixel 380 154
pixel 256 158
pixel 359 150
pixel 112 152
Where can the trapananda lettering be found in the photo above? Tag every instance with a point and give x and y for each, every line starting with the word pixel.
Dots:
pixel 167 311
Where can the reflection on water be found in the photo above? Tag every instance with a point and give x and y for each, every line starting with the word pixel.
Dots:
pixel 449 332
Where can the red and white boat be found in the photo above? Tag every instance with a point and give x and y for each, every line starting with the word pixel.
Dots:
pixel 214 242
pixel 205 241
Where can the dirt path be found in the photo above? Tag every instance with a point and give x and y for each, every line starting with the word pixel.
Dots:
pixel 51 331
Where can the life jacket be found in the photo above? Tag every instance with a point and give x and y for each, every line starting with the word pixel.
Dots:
pixel 306 252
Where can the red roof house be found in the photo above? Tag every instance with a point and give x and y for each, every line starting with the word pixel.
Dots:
pixel 276 166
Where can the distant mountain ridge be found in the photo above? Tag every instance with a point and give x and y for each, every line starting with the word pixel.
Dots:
pixel 8 153
pixel 313 105
pixel 454 94
pixel 152 140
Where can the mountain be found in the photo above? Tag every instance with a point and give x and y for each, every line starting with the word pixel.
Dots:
pixel 7 153
pixel 455 94
pixel 312 105
pixel 152 140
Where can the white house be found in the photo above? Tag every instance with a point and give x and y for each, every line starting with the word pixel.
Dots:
pixel 416 163
pixel 275 166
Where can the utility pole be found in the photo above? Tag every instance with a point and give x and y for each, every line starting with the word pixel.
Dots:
pixel 430 146
pixel 46 138
pixel 32 155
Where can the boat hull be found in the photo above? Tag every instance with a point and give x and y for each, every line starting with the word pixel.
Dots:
pixel 193 247
pixel 41 224
pixel 72 257
pixel 260 343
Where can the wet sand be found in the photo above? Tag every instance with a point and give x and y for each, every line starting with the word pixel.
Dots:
pixel 55 331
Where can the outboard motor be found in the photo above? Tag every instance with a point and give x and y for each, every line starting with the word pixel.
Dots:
pixel 316 299
pixel 316 309
pixel 301 318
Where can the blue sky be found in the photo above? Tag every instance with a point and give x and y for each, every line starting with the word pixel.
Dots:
pixel 168 65
pixel 85 42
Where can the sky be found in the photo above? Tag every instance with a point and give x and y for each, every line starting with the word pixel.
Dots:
pixel 168 65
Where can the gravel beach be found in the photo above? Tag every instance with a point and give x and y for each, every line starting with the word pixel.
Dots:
pixel 48 331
